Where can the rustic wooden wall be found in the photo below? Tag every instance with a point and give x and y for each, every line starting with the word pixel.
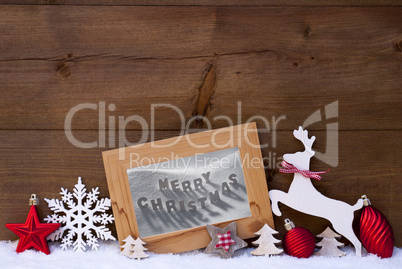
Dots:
pixel 278 58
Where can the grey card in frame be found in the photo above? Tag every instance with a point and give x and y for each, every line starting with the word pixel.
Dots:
pixel 189 192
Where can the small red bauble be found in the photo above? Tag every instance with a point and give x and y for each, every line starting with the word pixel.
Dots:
pixel 33 233
pixel 298 242
pixel 376 233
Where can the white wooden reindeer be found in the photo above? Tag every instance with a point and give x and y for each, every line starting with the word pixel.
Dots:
pixel 303 197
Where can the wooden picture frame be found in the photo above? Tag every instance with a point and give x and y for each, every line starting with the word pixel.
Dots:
pixel 244 136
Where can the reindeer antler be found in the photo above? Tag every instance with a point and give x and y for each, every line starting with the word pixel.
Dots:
pixel 302 135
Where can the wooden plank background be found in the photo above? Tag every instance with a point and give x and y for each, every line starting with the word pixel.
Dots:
pixel 278 58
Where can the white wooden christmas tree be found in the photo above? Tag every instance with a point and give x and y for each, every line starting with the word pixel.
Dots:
pixel 266 242
pixel 133 248
pixel 329 245
pixel 127 248
pixel 138 250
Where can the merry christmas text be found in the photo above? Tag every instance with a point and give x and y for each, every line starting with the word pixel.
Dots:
pixel 188 186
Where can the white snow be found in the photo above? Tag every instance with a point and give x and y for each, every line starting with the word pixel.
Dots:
pixel 108 256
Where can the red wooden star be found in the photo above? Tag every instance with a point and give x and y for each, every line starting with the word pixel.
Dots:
pixel 33 233
pixel 224 241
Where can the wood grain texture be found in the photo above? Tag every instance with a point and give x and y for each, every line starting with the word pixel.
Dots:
pixel 270 59
pixel 207 2
pixel 282 61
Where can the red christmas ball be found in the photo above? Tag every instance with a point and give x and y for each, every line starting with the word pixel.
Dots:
pixel 298 242
pixel 376 233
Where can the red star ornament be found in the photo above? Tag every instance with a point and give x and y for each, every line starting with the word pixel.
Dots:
pixel 33 233
pixel 224 241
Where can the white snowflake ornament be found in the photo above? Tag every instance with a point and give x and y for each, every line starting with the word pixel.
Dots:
pixel 79 218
